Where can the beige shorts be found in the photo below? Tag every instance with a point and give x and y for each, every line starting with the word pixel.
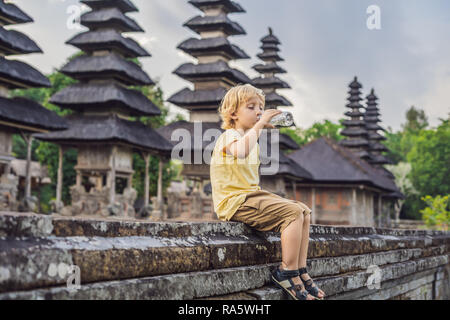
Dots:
pixel 266 211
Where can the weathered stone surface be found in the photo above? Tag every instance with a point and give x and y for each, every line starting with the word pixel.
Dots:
pixel 118 227
pixel 127 259
pixel 25 225
pixel 101 259
pixel 243 279
pixel 169 287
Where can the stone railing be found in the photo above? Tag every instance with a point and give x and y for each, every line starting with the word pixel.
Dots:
pixel 42 256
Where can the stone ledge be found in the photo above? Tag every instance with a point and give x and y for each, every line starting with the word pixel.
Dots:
pixel 150 260
pixel 37 225
pixel 26 262
pixel 222 282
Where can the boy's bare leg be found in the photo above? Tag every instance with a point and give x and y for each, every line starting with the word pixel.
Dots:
pixel 291 238
pixel 305 241
pixel 304 248
pixel 290 248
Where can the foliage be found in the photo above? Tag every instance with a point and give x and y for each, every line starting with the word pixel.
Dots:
pixel 429 158
pixel 326 129
pixel 436 214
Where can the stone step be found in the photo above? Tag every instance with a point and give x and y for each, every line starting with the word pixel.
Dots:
pixel 389 289
pixel 242 280
pixel 36 225
pixel 27 263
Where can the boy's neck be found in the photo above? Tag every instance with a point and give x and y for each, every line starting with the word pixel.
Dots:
pixel 240 130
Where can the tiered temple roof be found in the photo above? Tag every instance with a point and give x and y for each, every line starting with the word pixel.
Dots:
pixel 371 121
pixel 212 76
pixel 20 113
pixel 329 162
pixel 268 81
pixel 355 130
pixel 101 98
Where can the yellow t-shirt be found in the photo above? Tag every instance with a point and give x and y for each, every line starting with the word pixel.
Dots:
pixel 232 178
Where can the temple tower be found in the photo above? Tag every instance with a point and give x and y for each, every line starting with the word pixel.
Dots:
pixel 100 127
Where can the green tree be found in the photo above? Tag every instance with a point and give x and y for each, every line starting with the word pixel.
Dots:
pixel 436 214
pixel 416 120
pixel 429 158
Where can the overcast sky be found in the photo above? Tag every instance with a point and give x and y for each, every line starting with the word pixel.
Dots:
pixel 325 43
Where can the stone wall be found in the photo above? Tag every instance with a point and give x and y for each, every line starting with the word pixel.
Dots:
pixel 119 259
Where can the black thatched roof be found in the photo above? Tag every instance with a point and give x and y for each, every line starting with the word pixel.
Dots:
pixel 387 173
pixel 108 40
pixel 104 96
pixel 328 162
pixel 354 131
pixel 19 75
pixel 108 129
pixel 88 67
pixel 14 42
pixel 270 82
pixel 375 136
pixel 379 159
pixel 11 14
pixel 228 5
pixel 214 23
pixel 187 98
pixel 109 18
pixel 29 113
pixel 269 56
pixel 286 166
pixel 373 126
pixel 270 38
pixel 210 46
pixel 271 67
pixel 270 47
pixel 274 98
pixel 123 5
pixel 218 69
pixel 354 123
pixel 285 142
pixel 354 143
pixel 354 114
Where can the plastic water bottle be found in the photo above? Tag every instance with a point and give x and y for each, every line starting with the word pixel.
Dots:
pixel 284 119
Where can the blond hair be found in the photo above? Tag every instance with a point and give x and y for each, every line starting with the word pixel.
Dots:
pixel 234 98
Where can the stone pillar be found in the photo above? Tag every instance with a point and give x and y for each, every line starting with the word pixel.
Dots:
pixel 313 205
pixel 60 176
pixel 29 141
pixel 354 206
pixel 294 189
pixel 112 177
pixel 364 221
pixel 147 180
pixel 160 189
pixel 379 211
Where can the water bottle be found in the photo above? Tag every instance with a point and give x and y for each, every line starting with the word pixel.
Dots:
pixel 284 119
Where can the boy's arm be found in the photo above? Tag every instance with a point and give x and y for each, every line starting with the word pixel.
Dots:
pixel 242 147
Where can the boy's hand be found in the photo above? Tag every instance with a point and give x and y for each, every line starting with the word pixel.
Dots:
pixel 266 117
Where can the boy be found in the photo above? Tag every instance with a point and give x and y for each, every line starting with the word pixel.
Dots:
pixel 238 197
